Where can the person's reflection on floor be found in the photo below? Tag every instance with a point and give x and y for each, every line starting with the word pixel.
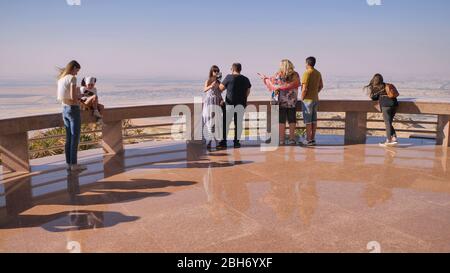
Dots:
pixel 280 196
pixel 76 219
pixel 73 187
pixel 306 190
pixel 296 192
pixel 308 200
pixel 222 192
pixel 80 220
pixel 281 199
pixel 379 188
pixel 215 205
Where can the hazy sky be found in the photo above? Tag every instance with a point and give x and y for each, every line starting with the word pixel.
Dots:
pixel 182 38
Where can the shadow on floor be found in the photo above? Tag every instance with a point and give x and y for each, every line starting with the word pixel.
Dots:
pixel 19 198
pixel 70 220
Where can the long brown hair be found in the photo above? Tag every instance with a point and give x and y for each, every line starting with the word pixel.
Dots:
pixel 373 89
pixel 211 77
pixel 68 69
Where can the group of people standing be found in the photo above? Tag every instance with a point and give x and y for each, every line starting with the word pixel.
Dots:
pixel 284 85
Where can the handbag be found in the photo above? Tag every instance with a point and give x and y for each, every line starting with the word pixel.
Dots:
pixel 275 98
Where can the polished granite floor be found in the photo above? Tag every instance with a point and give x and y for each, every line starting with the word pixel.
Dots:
pixel 173 197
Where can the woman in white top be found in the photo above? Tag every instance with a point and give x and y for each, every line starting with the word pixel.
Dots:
pixel 69 95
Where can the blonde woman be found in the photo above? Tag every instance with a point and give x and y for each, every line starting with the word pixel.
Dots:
pixel 285 84
pixel 69 95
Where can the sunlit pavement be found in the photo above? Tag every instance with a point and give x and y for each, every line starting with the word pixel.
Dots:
pixel 173 197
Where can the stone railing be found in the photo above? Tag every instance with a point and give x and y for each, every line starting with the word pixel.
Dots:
pixel 14 131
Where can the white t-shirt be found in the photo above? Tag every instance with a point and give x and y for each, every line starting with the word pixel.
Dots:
pixel 86 92
pixel 64 87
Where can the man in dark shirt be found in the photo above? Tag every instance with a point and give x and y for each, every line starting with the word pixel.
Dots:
pixel 238 89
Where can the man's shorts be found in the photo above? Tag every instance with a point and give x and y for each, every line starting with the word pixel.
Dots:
pixel 309 109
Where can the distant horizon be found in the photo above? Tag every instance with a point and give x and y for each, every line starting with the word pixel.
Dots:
pixel 181 39
pixel 113 77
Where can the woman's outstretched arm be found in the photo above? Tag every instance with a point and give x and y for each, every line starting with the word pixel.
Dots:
pixel 270 83
pixel 291 85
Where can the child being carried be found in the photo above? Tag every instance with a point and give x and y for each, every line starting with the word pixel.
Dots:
pixel 90 98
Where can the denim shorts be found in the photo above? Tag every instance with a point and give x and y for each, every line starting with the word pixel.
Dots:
pixel 309 110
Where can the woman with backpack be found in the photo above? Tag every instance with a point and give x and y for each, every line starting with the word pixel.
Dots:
pixel 386 94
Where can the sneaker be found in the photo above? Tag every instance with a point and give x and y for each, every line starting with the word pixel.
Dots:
pixel 97 114
pixel 292 142
pixel 392 143
pixel 77 168
pixel 237 145
pixel 209 145
pixel 308 143
pixel 222 145
pixel 388 143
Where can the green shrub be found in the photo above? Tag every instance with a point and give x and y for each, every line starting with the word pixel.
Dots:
pixel 46 147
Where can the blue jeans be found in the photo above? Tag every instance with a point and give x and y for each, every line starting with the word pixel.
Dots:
pixel 72 123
